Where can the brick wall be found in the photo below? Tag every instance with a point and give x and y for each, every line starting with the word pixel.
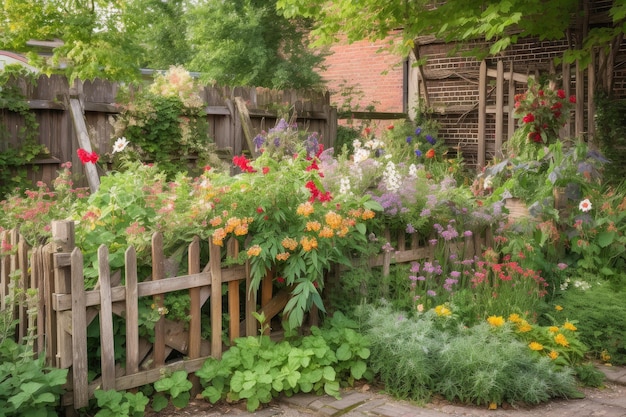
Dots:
pixel 378 76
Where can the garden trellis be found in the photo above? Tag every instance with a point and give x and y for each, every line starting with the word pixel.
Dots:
pixel 65 309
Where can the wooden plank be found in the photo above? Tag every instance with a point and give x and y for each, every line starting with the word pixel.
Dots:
pixel 193 261
pixel 579 116
pixel 215 260
pixel 62 302
pixel 267 288
pixel 499 108
pixel 482 115
pixel 591 107
pixel 79 333
pixel 251 295
pixel 63 241
pixel 50 317
pixel 246 125
pixel 107 350
pixel 132 312
pixel 38 279
pixel 22 286
pixel 369 115
pixel 233 295
pixel 511 105
pixel 158 273
pixel 83 141
pixel 567 80
pixel 516 77
pixel 4 271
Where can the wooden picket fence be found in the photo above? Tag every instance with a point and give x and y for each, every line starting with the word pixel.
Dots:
pixel 64 309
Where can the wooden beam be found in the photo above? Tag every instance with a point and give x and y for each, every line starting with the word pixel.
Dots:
pixel 499 108
pixel 83 142
pixel 482 114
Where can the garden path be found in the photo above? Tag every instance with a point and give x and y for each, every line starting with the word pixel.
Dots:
pixel 609 401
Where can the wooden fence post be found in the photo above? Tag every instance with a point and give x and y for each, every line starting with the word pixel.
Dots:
pixel 215 262
pixel 62 246
pixel 80 380
pixel 107 353
pixel 158 272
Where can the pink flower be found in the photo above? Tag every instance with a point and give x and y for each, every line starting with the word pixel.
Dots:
pixel 585 205
pixel 529 118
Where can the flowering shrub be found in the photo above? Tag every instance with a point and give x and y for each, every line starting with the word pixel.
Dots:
pixel 541 111
pixel 165 122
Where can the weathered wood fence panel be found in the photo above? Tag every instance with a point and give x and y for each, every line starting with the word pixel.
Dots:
pixel 50 100
pixel 65 309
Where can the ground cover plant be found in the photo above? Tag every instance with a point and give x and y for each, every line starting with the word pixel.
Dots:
pixel 302 211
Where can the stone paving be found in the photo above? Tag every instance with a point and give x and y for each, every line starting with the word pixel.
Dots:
pixel 606 402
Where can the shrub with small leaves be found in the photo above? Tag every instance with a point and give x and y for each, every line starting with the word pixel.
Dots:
pixel 120 404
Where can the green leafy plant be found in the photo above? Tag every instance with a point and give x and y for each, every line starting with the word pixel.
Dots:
pixel 433 353
pixel 113 403
pixel 165 122
pixel 258 369
pixel 16 153
pixel 27 386
pixel 177 386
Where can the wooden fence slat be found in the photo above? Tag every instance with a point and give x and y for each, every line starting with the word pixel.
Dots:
pixel 22 287
pixel 482 114
pixel 50 317
pixel 38 282
pixel 233 294
pixel 5 268
pixel 251 295
pixel 80 379
pixel 63 241
pixel 267 289
pixel 193 261
pixel 107 352
pixel 499 105
pixel 132 312
pixel 158 272
pixel 215 262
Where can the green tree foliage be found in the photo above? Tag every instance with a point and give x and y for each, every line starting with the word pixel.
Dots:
pixel 501 22
pixel 238 42
pixel 245 42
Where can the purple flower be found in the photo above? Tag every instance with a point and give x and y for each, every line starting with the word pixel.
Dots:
pixel 433 242
pixel 425 213
pixel 409 139
pixel 412 277
pixel 561 266
pixel 418 153
pixel 421 278
pixel 415 267
pixel 387 247
pixel 430 139
pixel 431 293
pixel 467 233
pixel 258 141
pixel 418 131
pixel 410 229
pixel 455 274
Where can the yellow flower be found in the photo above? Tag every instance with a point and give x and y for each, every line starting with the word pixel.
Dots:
pixel 553 354
pixel 289 243
pixel 305 209
pixel 535 346
pixel 569 326
pixel 558 308
pixel 442 310
pixel 524 327
pixel 561 340
pixel 495 321
pixel 604 355
pixel 515 318
pixel 553 329
pixel 313 226
pixel 283 256
pixel 254 251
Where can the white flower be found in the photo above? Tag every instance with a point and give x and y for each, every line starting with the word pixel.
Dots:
pixel 392 177
pixel 360 155
pixel 488 183
pixel 413 171
pixel 120 144
pixel 344 186
pixel 585 205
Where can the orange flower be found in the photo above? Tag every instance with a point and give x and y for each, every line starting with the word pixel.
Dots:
pixel 218 237
pixel 283 256
pixel 430 154
pixel 515 318
pixel 535 346
pixel 569 326
pixel 308 243
pixel 553 329
pixel 367 214
pixel 524 327
pixel 289 243
pixel 553 354
pixel 215 221
pixel 326 232
pixel 495 321
pixel 254 251
pixel 333 220
pixel 305 209
pixel 231 224
pixel 241 229
pixel 313 226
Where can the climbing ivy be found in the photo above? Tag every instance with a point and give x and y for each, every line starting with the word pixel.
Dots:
pixel 15 155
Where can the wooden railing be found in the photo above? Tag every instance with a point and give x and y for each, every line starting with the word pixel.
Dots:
pixel 65 309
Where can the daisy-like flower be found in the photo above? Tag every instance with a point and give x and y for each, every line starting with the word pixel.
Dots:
pixel 585 205
pixel 535 346
pixel 495 321
pixel 120 144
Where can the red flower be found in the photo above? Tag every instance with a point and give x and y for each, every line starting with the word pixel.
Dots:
pixel 259 210
pixel 557 105
pixel 430 154
pixel 280 280
pixel 390 127
pixel 86 156
pixel 529 118
pixel 313 166
pixel 572 99
pixel 367 130
pixel 243 163
pixel 207 168
pixel 266 170
pixel 560 93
